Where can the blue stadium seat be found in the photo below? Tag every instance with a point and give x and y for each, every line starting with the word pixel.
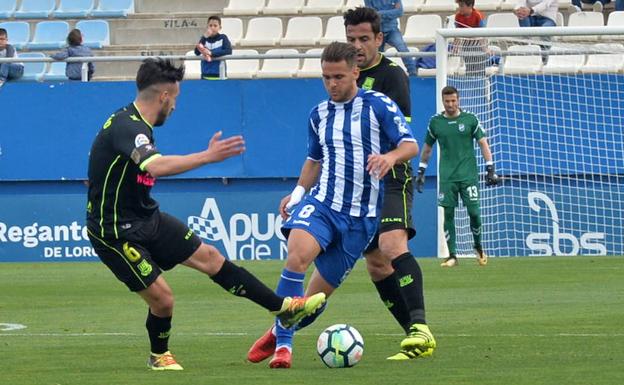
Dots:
pixel 113 8
pixel 33 71
pixel 96 33
pixel 49 35
pixel 7 8
pixel 35 9
pixel 56 72
pixel 72 9
pixel 18 31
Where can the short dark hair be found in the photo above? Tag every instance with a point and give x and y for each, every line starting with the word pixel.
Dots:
pixel 3 32
pixel 467 3
pixel 215 17
pixel 361 15
pixel 74 37
pixel 449 90
pixel 158 71
pixel 337 52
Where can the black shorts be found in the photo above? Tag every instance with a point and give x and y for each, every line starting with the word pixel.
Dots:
pixel 138 258
pixel 396 212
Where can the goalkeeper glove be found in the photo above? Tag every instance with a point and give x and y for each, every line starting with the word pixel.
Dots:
pixel 491 179
pixel 420 178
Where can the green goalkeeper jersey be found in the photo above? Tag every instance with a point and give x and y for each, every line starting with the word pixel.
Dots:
pixel 455 135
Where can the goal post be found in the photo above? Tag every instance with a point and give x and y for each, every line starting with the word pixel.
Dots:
pixel 551 100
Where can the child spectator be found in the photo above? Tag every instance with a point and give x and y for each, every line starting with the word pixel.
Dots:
pixel 8 71
pixel 472 50
pixel 212 44
pixel 75 49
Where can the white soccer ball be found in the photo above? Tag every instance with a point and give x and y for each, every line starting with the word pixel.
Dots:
pixel 340 346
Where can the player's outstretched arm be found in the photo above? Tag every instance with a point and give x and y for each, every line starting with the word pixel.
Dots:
pixel 380 164
pixel 217 151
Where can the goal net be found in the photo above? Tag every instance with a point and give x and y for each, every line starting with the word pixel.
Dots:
pixel 553 110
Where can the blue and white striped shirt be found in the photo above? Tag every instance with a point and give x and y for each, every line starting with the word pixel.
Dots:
pixel 342 136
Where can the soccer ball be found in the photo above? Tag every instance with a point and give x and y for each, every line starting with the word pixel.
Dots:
pixel 340 346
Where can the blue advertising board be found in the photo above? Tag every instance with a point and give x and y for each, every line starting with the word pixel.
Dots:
pixel 45 222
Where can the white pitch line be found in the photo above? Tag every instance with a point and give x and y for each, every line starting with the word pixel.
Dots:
pixel 234 334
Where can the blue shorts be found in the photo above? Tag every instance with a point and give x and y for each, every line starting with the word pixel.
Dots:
pixel 342 238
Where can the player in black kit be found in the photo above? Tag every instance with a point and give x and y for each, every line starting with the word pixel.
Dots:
pixel 134 238
pixel 394 271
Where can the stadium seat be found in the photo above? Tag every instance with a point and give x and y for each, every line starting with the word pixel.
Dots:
pixel 397 60
pixel 421 29
pixel 263 31
pixel 311 67
pixel 279 68
pixel 243 68
pixel 616 19
pixel 306 30
pixel 35 9
pixel 334 30
pixel 49 35
pixel 412 6
pixel 507 5
pixel 350 4
pixel 502 20
pixel 323 7
pixel 96 33
pixel 556 64
pixel 523 64
pixel 560 20
pixel 244 7
pixel 584 19
pixel 437 6
pixel 7 8
pixel 18 31
pixel 192 68
pixel 56 72
pixel 33 71
pixel 489 5
pixel 453 67
pixel 233 28
pixel 73 9
pixel 611 61
pixel 283 7
pixel 113 8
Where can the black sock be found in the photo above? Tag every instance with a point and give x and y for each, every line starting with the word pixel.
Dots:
pixel 390 294
pixel 158 331
pixel 410 280
pixel 242 283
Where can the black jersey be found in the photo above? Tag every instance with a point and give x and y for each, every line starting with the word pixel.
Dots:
pixel 119 186
pixel 388 78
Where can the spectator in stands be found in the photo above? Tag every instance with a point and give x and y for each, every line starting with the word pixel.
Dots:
pixel 598 5
pixel 390 11
pixel 537 13
pixel 8 71
pixel 75 48
pixel 472 50
pixel 213 44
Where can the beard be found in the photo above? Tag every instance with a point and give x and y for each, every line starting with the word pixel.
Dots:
pixel 161 118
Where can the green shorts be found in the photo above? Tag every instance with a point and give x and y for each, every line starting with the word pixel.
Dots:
pixel 468 190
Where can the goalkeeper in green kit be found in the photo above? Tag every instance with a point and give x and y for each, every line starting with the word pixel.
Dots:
pixel 455 131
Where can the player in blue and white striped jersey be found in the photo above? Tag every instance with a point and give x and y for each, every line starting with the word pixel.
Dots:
pixel 349 138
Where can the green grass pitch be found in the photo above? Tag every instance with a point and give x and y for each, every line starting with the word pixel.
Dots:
pixel 551 321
